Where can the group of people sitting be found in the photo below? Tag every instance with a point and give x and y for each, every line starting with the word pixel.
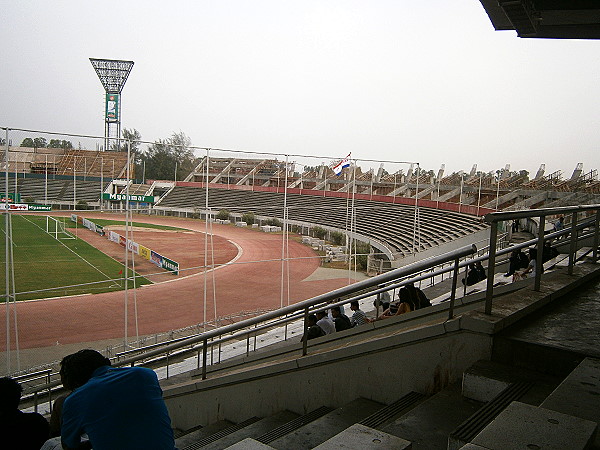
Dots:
pixel 105 408
pixel 410 298
pixel 325 322
pixel 522 266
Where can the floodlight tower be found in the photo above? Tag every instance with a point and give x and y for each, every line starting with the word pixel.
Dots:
pixel 113 75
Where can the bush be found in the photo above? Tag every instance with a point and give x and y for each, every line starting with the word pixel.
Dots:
pixel 319 232
pixel 248 218
pixel 337 237
pixel 362 251
pixel 29 199
pixel 81 204
pixel 223 215
pixel 274 222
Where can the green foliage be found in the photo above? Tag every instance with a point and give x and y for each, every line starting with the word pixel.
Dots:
pixel 337 237
pixel 81 204
pixel 38 142
pixel 362 251
pixel 223 215
pixel 58 143
pixel 167 158
pixel 320 232
pixel 274 222
pixel 248 218
pixel 29 199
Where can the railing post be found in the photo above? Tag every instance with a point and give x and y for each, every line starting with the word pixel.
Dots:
pixel 596 234
pixel 573 246
pixel 465 281
pixel 489 291
pixel 204 354
pixel 539 256
pixel 453 293
pixel 167 365
pixel 305 335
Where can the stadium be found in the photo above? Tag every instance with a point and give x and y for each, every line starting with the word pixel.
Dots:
pixel 209 277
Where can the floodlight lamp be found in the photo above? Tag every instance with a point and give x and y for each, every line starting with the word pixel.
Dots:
pixel 112 73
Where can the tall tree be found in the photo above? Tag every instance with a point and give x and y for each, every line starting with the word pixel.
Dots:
pixel 166 157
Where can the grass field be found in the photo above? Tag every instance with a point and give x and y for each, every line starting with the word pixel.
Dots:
pixel 47 267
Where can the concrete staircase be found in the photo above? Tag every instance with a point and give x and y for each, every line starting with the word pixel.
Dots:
pixel 495 407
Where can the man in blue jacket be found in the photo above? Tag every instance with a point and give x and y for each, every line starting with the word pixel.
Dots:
pixel 115 407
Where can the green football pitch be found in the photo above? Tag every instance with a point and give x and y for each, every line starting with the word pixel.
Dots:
pixel 48 267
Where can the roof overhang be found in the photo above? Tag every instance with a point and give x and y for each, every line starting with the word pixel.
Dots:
pixel 554 19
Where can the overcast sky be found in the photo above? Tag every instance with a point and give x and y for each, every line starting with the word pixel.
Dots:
pixel 425 81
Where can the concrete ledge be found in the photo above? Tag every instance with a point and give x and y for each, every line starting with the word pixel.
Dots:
pixel 525 426
pixel 249 444
pixel 360 436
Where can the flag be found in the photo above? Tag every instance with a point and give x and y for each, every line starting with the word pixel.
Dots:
pixel 341 165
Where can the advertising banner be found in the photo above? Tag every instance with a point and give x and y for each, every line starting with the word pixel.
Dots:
pixel 40 207
pixel 112 107
pixel 170 265
pixel 122 241
pixel 12 197
pixel 133 247
pixel 114 237
pixel 144 252
pixel 156 258
pixel 132 198
pixel 73 217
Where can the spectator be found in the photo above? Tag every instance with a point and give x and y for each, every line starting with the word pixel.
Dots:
pixel 402 306
pixel 19 430
pixel 560 223
pixel 340 320
pixel 325 322
pixel 549 252
pixel 359 317
pixel 480 271
pixel 472 275
pixel 518 260
pixel 383 298
pixel 530 271
pixel 313 330
pixel 417 296
pixel 116 407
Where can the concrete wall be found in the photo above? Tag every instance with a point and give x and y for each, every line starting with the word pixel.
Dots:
pixel 384 369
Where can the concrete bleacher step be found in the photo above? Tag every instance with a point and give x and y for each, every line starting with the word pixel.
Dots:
pixel 293 425
pixel 579 394
pixel 467 430
pixel 221 434
pixel 390 412
pixel 428 424
pixel 360 436
pixel 486 379
pixel 522 426
pixel 198 433
pixel 327 426
pixel 249 429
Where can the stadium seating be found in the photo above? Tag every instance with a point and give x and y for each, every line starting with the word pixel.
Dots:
pixel 392 224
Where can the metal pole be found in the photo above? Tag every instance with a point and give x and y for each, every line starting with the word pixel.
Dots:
pixel 596 243
pixel 7 255
pixel 540 252
pixel 305 336
pixel 489 291
pixel 204 354
pixel 74 183
pixel 46 183
pixel 453 293
pixel 101 179
pixel 573 246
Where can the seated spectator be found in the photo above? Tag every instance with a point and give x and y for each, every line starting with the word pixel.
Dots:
pixel 118 408
pixel 325 322
pixel 340 306
pixel 549 252
pixel 480 271
pixel 19 430
pixel 313 330
pixel 358 317
pixel 517 261
pixel 402 306
pixel 417 296
pixel 559 224
pixel 531 269
pixel 382 302
pixel 340 320
pixel 472 276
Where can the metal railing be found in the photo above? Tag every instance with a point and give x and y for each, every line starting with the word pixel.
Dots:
pixel 451 262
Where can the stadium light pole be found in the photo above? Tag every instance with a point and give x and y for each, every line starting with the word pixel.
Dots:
pixel 112 74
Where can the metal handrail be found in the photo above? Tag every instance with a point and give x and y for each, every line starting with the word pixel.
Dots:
pixel 390 280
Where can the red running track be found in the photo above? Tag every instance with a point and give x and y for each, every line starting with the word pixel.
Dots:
pixel 245 285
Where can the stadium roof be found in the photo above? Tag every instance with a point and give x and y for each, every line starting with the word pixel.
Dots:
pixel 558 19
